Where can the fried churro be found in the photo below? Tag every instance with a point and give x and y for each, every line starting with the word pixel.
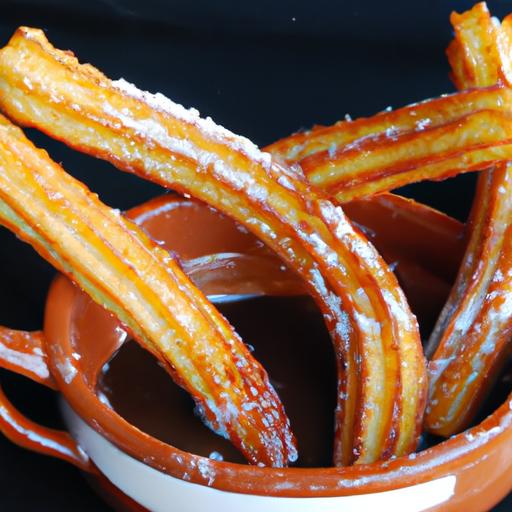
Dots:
pixel 382 382
pixel 123 270
pixel 472 337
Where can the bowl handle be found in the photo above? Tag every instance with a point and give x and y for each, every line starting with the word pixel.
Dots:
pixel 24 353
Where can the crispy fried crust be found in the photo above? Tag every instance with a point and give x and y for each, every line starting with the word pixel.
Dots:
pixel 426 260
pixel 381 368
pixel 389 125
pixel 390 160
pixel 472 337
pixel 120 268
pixel 434 139
pixel 378 215
pixel 427 230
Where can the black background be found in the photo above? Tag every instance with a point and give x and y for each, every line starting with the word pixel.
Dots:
pixel 263 69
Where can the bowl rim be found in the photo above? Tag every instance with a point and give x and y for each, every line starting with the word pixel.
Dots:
pixel 447 458
pixel 154 490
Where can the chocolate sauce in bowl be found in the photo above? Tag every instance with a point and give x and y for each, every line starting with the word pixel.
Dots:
pixel 287 332
pixel 290 340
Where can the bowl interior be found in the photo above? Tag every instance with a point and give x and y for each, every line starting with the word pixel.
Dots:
pixel 81 337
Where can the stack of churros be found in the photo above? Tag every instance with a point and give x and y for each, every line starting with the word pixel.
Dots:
pixel 300 197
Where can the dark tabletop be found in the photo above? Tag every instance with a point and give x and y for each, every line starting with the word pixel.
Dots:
pixel 263 69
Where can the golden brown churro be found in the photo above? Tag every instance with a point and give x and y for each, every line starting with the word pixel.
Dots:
pixel 373 165
pixel 382 382
pixel 472 337
pixel 386 125
pixel 434 139
pixel 120 268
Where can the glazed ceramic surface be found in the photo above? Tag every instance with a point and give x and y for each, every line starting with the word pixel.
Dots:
pixel 468 472
pixel 159 492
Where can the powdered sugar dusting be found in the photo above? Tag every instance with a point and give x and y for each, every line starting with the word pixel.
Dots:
pixel 498 276
pixel 318 281
pixel 257 406
pixel 321 248
pixel 263 227
pixel 192 116
pixel 465 318
pixel 344 231
pixel 368 325
pixel 156 131
pixel 343 327
pixel 285 182
pixel 398 309
pixel 366 252
pixel 421 124
pixel 294 151
pixel 240 180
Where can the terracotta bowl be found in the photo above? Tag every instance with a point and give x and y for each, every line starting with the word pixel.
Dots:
pixel 470 471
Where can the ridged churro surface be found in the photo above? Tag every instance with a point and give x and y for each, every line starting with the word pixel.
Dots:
pixel 382 382
pixel 471 340
pixel 121 269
